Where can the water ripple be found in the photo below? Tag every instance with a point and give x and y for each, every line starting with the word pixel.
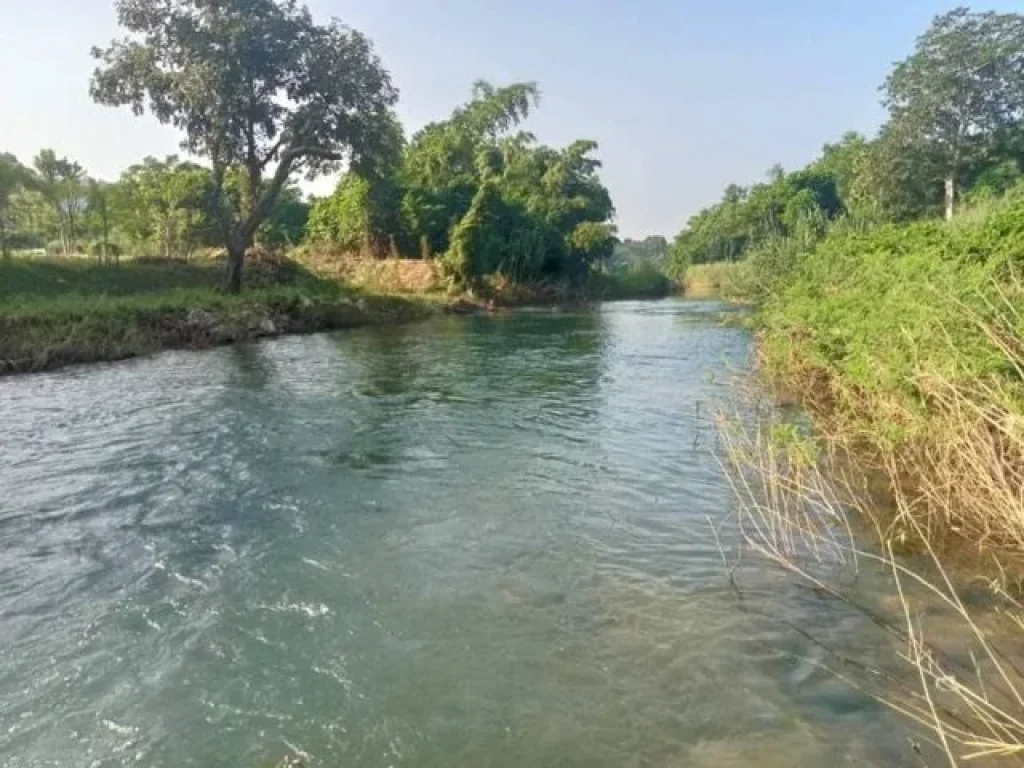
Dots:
pixel 481 541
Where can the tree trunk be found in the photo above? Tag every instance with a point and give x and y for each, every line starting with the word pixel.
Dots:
pixel 106 233
pixel 950 198
pixel 236 258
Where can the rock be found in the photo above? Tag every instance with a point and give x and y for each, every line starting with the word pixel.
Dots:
pixel 199 318
pixel 267 326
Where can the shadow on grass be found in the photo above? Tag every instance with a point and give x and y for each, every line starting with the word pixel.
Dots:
pixel 34 280
pixel 59 312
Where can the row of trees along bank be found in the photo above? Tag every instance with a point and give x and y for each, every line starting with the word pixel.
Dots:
pixel 954 135
pixel 159 207
pixel 263 94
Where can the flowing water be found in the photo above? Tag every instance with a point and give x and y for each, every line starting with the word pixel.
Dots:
pixel 472 542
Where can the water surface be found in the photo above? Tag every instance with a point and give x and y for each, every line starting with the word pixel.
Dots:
pixel 471 542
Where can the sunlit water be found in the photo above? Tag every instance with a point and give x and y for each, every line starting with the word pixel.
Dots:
pixel 472 542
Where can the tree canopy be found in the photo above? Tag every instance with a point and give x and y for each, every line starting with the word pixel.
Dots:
pixel 955 131
pixel 962 83
pixel 481 194
pixel 254 85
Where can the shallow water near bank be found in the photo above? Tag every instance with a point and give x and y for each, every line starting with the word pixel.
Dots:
pixel 475 541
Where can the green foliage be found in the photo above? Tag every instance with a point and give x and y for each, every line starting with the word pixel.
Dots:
pixel 365 211
pixel 875 308
pixel 591 243
pixel 441 172
pixel 288 222
pixel 162 206
pixel 747 218
pixel 13 177
pixel 62 183
pixel 344 217
pixel 254 85
pixel 956 106
pixel 486 200
pixel 650 250
pixel 643 279
pixel 962 81
pixel 536 212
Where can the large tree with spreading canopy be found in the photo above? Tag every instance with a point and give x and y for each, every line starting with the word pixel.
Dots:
pixel 255 85
pixel 960 86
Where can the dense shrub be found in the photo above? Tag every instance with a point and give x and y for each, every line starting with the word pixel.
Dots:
pixel 877 308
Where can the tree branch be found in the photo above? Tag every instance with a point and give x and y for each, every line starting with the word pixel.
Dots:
pixel 262 210
pixel 271 153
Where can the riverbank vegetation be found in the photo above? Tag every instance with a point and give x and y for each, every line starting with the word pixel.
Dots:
pixel 474 192
pixel 888 280
pixel 472 209
pixel 55 313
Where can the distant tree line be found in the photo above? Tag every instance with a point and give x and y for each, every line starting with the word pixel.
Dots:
pixel 955 134
pixel 653 250
pixel 159 208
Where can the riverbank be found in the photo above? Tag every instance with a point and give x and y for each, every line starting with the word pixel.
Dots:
pixel 45 336
pixel 61 312
pixel 905 346
pixel 729 280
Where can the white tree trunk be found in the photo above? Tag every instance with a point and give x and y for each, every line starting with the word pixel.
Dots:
pixel 950 198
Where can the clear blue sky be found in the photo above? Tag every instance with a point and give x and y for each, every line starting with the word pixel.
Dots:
pixel 684 96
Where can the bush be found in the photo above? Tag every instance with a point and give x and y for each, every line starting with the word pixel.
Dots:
pixel 643 280
pixel 875 309
pixel 722 279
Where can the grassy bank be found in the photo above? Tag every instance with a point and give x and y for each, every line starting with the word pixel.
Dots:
pixel 56 313
pixel 905 344
pixel 418 277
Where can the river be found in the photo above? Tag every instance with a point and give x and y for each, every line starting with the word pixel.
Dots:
pixel 479 541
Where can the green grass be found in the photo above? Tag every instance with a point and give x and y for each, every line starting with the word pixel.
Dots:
pixel 876 314
pixel 637 281
pixel 29 279
pixel 58 312
pixel 55 312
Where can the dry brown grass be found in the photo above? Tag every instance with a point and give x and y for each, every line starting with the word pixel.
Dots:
pixel 807 519
pixel 953 488
pixel 727 280
pixel 389 276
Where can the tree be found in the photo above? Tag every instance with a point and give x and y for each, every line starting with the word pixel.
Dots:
pixel 650 250
pixel 98 209
pixel 961 82
pixel 440 172
pixel 287 224
pixel 365 211
pixel 62 183
pixel 13 176
pixel 255 85
pixel 164 202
